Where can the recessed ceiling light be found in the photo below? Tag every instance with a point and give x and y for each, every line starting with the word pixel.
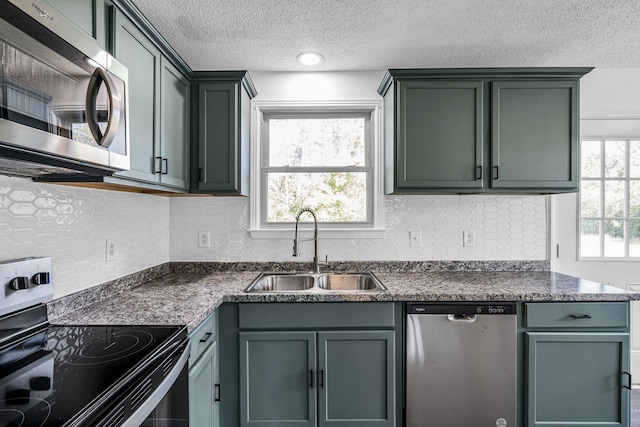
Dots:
pixel 310 58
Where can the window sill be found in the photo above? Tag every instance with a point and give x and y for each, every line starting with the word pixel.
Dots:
pixel 323 233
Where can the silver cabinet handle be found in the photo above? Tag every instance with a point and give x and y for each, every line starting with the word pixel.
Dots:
pixel 98 77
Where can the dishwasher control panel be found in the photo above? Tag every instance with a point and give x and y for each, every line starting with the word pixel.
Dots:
pixel 467 309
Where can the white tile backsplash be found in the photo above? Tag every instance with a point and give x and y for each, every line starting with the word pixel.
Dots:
pixel 506 227
pixel 72 224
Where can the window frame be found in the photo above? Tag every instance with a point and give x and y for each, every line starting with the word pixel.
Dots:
pixel 258 227
pixel 602 138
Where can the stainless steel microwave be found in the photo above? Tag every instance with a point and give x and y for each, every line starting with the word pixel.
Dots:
pixel 63 99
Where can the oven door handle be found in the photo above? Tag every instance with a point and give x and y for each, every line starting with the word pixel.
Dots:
pixel 98 77
pixel 141 414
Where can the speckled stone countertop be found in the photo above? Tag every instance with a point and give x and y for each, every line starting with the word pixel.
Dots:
pixel 188 294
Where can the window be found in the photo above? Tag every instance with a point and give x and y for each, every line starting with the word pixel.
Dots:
pixel 610 198
pixel 323 157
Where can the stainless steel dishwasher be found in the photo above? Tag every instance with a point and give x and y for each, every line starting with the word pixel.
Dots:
pixel 460 365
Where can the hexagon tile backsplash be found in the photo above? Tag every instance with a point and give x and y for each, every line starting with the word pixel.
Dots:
pixel 506 227
pixel 72 224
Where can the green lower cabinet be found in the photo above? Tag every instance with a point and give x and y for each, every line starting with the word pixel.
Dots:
pixel 278 379
pixel 203 392
pixel 348 381
pixel 355 378
pixel 577 379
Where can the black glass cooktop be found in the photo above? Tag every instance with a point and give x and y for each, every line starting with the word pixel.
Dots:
pixel 51 376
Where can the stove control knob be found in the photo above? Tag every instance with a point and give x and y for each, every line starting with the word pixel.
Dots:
pixel 18 283
pixel 41 278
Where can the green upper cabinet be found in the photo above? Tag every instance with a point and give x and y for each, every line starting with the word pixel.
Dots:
pixel 220 132
pixel 439 134
pixel 142 59
pixel 174 126
pixel 534 128
pixel 158 110
pixel 481 130
pixel 88 15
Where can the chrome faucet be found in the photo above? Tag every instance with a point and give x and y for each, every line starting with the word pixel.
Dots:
pixel 316 264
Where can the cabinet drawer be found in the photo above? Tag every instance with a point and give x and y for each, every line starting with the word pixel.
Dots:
pixel 316 315
pixel 577 315
pixel 202 338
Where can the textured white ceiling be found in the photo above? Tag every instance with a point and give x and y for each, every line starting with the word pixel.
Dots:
pixel 267 35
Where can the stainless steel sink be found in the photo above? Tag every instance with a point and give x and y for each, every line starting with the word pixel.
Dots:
pixel 281 283
pixel 323 282
pixel 349 282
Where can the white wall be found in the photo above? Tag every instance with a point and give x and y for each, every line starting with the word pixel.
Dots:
pixel 71 225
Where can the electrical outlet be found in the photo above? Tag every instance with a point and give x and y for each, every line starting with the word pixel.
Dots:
pixel 468 238
pixel 111 250
pixel 415 238
pixel 204 239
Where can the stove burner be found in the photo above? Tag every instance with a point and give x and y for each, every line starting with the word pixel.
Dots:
pixel 113 347
pixel 36 415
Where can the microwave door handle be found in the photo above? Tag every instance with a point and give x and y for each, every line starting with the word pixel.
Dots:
pixel 98 77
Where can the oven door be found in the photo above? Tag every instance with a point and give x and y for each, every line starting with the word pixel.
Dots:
pixel 173 408
pixel 168 404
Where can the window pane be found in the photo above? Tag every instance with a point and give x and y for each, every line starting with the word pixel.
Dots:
pixel 613 238
pixel 634 199
pixel 590 199
pixel 634 238
pixel 591 159
pixel 634 159
pixel 317 142
pixel 614 199
pixel 335 196
pixel 614 153
pixel 590 238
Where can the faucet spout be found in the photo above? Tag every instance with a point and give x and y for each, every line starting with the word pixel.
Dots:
pixel 316 264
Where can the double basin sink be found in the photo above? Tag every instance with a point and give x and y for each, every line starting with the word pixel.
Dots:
pixel 322 282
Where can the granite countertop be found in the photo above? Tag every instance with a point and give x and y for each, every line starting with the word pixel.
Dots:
pixel 183 297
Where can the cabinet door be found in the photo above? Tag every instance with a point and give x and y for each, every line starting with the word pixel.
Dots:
pixel 356 378
pixel 534 139
pixel 577 379
pixel 88 15
pixel 277 379
pixel 142 59
pixel 219 150
pixel 439 135
pixel 202 381
pixel 174 132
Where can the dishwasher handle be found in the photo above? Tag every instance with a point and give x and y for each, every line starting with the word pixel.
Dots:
pixel 462 318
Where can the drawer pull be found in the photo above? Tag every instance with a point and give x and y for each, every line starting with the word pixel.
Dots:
pixel 216 393
pixel 582 316
pixel 629 383
pixel 206 337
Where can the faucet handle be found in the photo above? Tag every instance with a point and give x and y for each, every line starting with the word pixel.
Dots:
pixel 326 260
